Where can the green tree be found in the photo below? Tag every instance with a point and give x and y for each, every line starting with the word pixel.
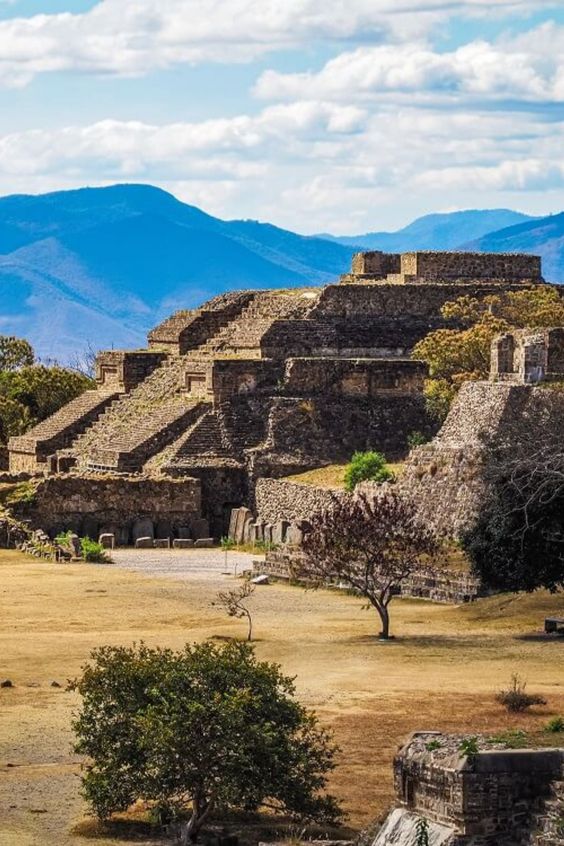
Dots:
pixel 366 467
pixel 15 353
pixel 202 730
pixel 455 356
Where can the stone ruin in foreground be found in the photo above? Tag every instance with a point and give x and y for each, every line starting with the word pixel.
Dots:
pixel 496 797
pixel 252 385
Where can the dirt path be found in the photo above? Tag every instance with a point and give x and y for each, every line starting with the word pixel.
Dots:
pixel 441 672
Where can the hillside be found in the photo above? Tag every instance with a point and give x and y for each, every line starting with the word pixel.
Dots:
pixel 543 236
pixel 436 231
pixel 103 265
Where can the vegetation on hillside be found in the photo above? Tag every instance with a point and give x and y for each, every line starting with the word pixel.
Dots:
pixel 29 391
pixel 199 732
pixel 455 356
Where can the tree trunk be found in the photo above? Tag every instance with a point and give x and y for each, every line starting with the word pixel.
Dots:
pixel 250 635
pixel 200 813
pixel 384 615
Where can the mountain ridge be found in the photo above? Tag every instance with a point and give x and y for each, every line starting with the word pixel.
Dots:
pixel 100 266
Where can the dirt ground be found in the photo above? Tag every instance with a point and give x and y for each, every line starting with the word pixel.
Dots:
pixel 440 673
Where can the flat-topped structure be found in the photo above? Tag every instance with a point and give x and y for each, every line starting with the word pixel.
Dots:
pixel 475 792
pixel 444 267
pixel 266 383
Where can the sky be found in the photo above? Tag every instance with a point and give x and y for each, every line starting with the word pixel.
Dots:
pixel 342 116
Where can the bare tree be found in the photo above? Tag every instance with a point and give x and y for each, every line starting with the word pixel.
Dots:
pixel 373 545
pixel 235 603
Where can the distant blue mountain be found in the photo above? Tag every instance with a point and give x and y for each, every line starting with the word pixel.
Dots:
pixel 436 231
pixel 540 236
pixel 100 266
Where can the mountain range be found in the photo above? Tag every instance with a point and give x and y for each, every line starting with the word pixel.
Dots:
pixel 99 266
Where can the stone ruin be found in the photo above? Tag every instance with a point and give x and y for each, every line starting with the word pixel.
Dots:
pixel 259 384
pixel 495 797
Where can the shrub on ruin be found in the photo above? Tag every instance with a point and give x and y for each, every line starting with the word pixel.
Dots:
pixel 93 552
pixel 455 356
pixel 515 697
pixel 373 545
pixel 555 725
pixel 367 467
pixel 195 733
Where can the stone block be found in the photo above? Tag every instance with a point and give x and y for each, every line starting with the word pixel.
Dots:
pixel 260 580
pixel 90 527
pixel 74 543
pixel 279 531
pixel 232 523
pixel 163 529
pixel 200 528
pixel 122 536
pixel 247 530
pixel 161 543
pixel 183 532
pixel 143 528
pixel 202 543
pixel 144 543
pixel 182 543
pixel 294 535
pixel 257 532
pixel 243 516
pixel 107 540
pixel 268 532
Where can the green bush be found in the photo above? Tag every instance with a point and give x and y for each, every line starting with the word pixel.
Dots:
pixel 512 738
pixel 204 730
pixel 93 551
pixel 469 747
pixel 367 467
pixel 555 725
pixel 415 439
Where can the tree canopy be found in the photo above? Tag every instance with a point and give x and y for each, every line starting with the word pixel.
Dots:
pixel 455 356
pixel 518 541
pixel 208 728
pixel 372 544
pixel 29 391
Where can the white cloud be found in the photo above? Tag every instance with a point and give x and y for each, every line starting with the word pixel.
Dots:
pixel 135 36
pixel 308 165
pixel 529 68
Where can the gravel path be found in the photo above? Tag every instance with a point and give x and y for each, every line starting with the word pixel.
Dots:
pixel 183 563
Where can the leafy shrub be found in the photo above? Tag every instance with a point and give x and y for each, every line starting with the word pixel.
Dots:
pixel 515 698
pixel 206 729
pixel 555 725
pixel 63 538
pixel 512 738
pixel 433 745
pixel 93 551
pixel 469 747
pixel 367 467
pixel 23 494
pixel 415 439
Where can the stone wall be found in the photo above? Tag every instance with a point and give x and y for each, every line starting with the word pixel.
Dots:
pixel 376 264
pixel 528 356
pixel 496 797
pixel 447 478
pixel 442 266
pixel 353 377
pixel 277 499
pixel 123 370
pixel 93 504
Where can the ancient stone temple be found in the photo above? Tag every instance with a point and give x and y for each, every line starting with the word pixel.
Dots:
pixel 265 383
pixel 487 795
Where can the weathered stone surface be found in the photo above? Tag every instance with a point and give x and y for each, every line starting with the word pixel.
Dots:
pixel 74 543
pixel 143 527
pixel 202 543
pixel 90 527
pixel 163 529
pixel 244 515
pixel 183 532
pixel 279 532
pixel 182 543
pixel 260 580
pixel 161 543
pixel 200 528
pixel 107 540
pixel 144 543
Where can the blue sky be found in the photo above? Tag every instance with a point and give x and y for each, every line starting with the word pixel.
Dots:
pixel 347 116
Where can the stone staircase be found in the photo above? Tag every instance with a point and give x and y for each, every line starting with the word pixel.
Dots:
pixel 63 427
pixel 139 424
pixel 243 335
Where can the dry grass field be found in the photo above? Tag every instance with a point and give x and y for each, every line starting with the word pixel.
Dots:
pixel 440 673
